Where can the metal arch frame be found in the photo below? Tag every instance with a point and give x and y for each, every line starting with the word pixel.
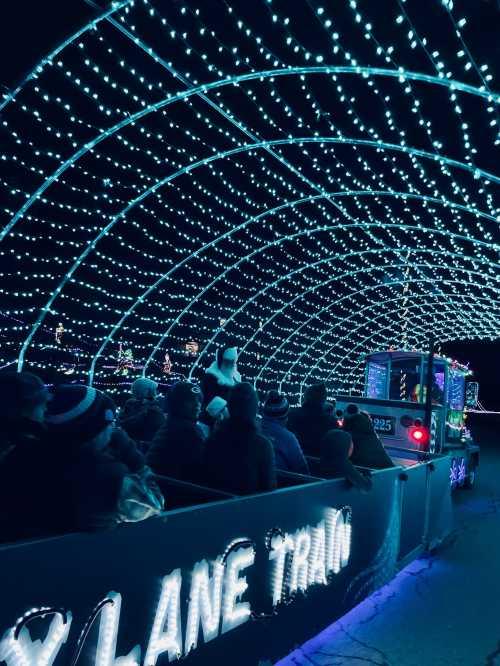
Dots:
pixel 385 313
pixel 89 248
pixel 452 296
pixel 236 80
pixel 310 230
pixel 116 6
pixel 317 286
pixel 333 326
pixel 364 340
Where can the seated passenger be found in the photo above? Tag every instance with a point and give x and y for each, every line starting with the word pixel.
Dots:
pixel 368 449
pixel 177 450
pixel 312 421
pixel 219 379
pixel 142 416
pixel 336 449
pixel 23 403
pixel 238 459
pixel 287 451
pixel 70 480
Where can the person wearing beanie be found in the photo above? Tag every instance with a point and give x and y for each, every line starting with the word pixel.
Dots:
pixel 178 446
pixel 142 416
pixel 287 451
pixel 23 403
pixel 336 449
pixel 219 379
pixel 71 480
pixel 238 458
pixel 313 419
pixel 368 449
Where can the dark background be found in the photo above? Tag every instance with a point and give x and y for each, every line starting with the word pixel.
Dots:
pixel 30 29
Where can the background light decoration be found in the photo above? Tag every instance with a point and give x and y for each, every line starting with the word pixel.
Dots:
pixel 308 182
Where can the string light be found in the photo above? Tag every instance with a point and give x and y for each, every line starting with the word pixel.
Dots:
pixel 168 167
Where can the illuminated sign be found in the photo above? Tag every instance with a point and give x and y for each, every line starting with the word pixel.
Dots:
pixel 216 604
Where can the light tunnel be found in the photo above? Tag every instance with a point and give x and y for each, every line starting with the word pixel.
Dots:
pixel 308 182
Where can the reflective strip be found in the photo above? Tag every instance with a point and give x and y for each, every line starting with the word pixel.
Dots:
pixel 77 410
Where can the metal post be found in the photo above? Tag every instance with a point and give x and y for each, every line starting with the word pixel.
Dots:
pixel 429 384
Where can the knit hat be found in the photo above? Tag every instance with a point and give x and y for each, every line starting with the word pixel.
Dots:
pixel 79 412
pixel 20 390
pixel 350 411
pixel 243 402
pixel 316 393
pixel 226 354
pixel 180 393
pixel 143 388
pixel 275 405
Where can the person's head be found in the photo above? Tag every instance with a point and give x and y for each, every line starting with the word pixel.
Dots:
pixel 276 406
pixel 337 445
pixel 22 396
pixel 81 416
pixel 243 403
pixel 144 389
pixel 356 420
pixel 227 358
pixel 184 400
pixel 315 394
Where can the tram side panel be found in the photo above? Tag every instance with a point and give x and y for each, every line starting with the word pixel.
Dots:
pixel 231 582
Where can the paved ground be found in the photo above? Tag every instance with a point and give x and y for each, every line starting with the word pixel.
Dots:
pixel 442 610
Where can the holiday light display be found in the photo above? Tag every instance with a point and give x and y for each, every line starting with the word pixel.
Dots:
pixel 312 184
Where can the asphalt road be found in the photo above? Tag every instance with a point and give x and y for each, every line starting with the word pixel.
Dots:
pixel 442 610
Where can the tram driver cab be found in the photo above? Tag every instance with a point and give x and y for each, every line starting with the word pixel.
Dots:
pixel 395 394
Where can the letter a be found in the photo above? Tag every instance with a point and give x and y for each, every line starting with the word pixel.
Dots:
pixel 166 634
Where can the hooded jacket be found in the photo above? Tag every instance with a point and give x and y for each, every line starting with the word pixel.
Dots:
pixel 368 449
pixel 238 459
pixel 334 460
pixel 177 449
pixel 287 451
pixel 310 423
pixel 216 383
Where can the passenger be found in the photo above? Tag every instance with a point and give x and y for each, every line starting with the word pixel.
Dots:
pixel 70 480
pixel 178 448
pixel 368 449
pixel 336 449
pixel 142 416
pixel 219 379
pixel 238 459
pixel 312 421
pixel 23 403
pixel 287 451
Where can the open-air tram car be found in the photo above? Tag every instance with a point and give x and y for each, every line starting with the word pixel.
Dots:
pixel 218 579
pixel 411 424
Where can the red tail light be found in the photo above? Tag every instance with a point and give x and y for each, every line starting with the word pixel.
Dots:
pixel 419 434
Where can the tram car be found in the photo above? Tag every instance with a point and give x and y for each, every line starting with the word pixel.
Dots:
pixel 410 426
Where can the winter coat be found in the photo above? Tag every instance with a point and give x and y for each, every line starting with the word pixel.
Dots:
pixel 238 459
pixel 49 487
pixel 215 383
pixel 141 419
pixel 310 423
pixel 287 451
pixel 126 451
pixel 368 449
pixel 17 432
pixel 177 450
pixel 335 463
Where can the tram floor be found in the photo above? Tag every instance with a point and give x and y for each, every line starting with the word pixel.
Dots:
pixel 441 610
